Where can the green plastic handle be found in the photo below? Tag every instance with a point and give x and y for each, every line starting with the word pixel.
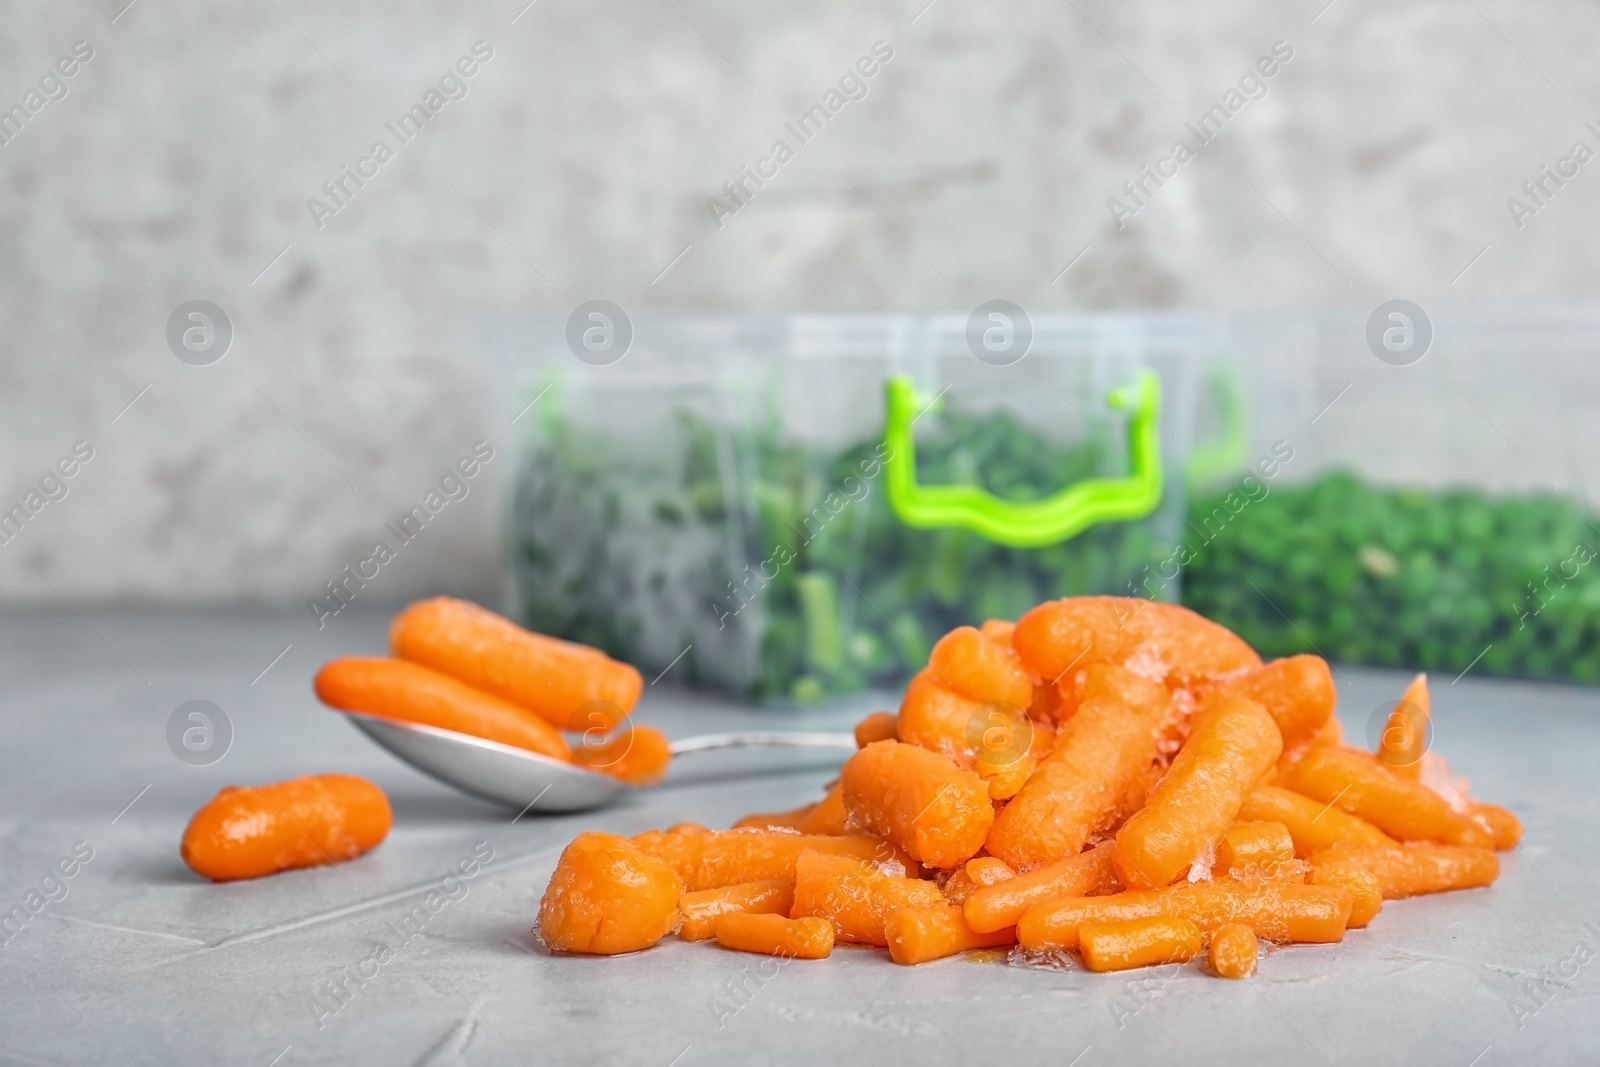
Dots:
pixel 1033 523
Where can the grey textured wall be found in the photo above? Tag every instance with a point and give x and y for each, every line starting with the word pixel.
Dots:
pixel 579 164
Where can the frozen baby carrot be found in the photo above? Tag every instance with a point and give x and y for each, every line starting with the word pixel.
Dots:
pixel 1504 827
pixel 249 831
pixel 1099 755
pixel 777 820
pixel 937 718
pixel 396 689
pixel 1366 894
pixel 1405 734
pixel 1416 868
pixel 1254 847
pixel 855 896
pixel 1000 905
pixel 1119 946
pixel 1074 632
pixel 1232 743
pixel 919 934
pixel 701 910
pixel 958 887
pixel 879 726
pixel 828 816
pixel 720 858
pixel 637 754
pixel 1232 952
pixel 1402 808
pixel 1297 692
pixel 573 687
pixel 918 800
pixel 988 870
pixel 1313 824
pixel 1008 746
pixel 1276 911
pixel 776 935
pixel 980 669
pixel 607 896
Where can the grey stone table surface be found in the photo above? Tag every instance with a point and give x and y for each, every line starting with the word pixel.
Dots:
pixel 133 959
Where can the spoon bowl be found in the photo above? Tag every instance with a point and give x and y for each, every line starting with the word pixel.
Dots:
pixel 517 778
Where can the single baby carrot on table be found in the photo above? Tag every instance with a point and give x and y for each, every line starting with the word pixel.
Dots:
pixel 397 689
pixel 1100 753
pixel 1312 824
pixel 980 669
pixel 250 831
pixel 1415 868
pixel 1000 905
pixel 637 754
pixel 1119 946
pixel 1232 743
pixel 1276 911
pixel 919 934
pixel 918 800
pixel 1232 952
pixel 608 896
pixel 855 896
pixel 806 938
pixel 701 910
pixel 1400 807
pixel 718 858
pixel 573 687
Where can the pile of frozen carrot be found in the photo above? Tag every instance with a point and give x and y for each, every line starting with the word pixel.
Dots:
pixel 1115 777
pixel 454 666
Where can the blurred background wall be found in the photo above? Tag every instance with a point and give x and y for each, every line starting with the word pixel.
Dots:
pixel 579 163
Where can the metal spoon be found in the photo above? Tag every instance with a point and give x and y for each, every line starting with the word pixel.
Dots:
pixel 528 781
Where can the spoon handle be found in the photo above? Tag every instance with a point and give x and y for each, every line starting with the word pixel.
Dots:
pixel 763 739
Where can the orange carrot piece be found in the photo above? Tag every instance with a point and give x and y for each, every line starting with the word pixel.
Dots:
pixel 879 726
pixel 919 934
pixel 1002 904
pixel 1402 808
pixel 937 718
pixel 721 858
pixel 396 689
pixel 637 754
pixel 855 896
pixel 1077 631
pixel 777 820
pixel 1232 743
pixel 958 887
pixel 608 896
pixel 1119 946
pixel 1405 734
pixel 980 669
pixel 828 815
pixel 1274 910
pixel 251 831
pixel 573 687
pixel 1366 894
pixel 1314 825
pixel 1504 827
pixel 1332 733
pixel 917 800
pixel 1415 868
pixel 989 870
pixel 1261 847
pixel 1099 755
pixel 701 910
pixel 775 935
pixel 1009 746
pixel 1296 691
pixel 1232 953
pixel 998 631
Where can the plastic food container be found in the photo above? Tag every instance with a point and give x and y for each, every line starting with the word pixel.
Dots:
pixel 795 507
pixel 1435 514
